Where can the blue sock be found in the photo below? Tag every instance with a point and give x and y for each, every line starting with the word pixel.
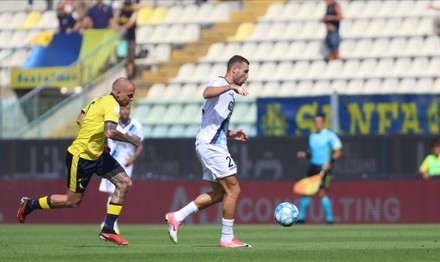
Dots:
pixel 113 211
pixel 326 204
pixel 304 205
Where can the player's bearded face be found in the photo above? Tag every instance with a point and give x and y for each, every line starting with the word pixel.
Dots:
pixel 241 74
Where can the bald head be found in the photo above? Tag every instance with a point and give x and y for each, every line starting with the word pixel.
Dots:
pixel 124 90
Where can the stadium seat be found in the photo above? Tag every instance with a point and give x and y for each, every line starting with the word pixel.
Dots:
pixel 413 46
pixel 244 31
pixel 259 32
pixel 200 73
pixel 332 69
pixel 191 130
pixel 370 9
pixel 17 20
pixel 383 69
pixel 287 89
pixel 185 71
pixel 375 27
pixel 299 70
pixel 304 88
pixel 354 87
pixel 357 28
pixel 155 115
pixel 313 50
pixel 282 71
pixel 361 47
pixel 424 26
pixel 379 48
pixel 248 49
pixel 321 88
pixel 313 30
pixel 279 51
pixel 276 30
pixel 143 15
pixel 386 8
pixel 354 9
pixel 173 13
pixel 316 69
pixel 389 86
pixel 371 86
pixel 156 90
pixel 269 89
pixel 407 85
pixel 346 48
pixel 433 66
pixel 176 131
pixel 214 52
pixel 188 90
pixel 32 20
pixel 289 10
pixel 401 67
pixel 430 46
pixel 265 71
pixel 5 37
pixel 338 86
pixel 262 51
pixel 221 13
pixel 240 114
pixel 218 69
pixel 273 12
pixel 203 14
pixel 296 50
pixel 188 15
pixel 48 20
pixel 436 86
pixel 229 50
pixel 424 85
pixel 291 31
pixel 350 68
pixel 158 34
pixel 254 88
pixel 174 34
pixel 191 113
pixel 159 131
pixel 172 114
pixel 367 68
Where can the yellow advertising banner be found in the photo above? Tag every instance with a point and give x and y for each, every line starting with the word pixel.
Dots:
pixel 31 78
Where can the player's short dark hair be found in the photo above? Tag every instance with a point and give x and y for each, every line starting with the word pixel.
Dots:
pixel 320 115
pixel 236 59
pixel 435 142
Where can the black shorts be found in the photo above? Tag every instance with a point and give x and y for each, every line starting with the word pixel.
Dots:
pixel 79 170
pixel 314 169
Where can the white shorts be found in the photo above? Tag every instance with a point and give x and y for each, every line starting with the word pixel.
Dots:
pixel 216 161
pixel 107 186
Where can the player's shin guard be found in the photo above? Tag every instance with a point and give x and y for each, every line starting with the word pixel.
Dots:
pixel 304 205
pixel 113 212
pixel 326 204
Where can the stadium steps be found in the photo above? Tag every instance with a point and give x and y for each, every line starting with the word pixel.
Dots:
pixel 194 51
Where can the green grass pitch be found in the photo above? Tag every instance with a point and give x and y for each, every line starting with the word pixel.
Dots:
pixel 36 242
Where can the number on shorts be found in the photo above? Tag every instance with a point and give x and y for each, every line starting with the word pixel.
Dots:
pixel 230 161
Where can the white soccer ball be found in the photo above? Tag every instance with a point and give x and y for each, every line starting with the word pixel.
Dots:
pixel 286 214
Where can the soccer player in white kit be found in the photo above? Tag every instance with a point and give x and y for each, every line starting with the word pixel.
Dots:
pixel 125 153
pixel 219 168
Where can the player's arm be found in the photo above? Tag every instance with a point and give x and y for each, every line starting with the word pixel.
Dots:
pixel 137 153
pixel 424 169
pixel 131 22
pixel 80 117
pixel 239 135
pixel 214 91
pixel 111 132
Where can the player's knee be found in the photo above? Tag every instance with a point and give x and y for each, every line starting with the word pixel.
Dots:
pixel 234 190
pixel 125 184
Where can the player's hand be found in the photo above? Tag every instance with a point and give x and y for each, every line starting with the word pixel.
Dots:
pixel 240 90
pixel 326 167
pixel 425 175
pixel 301 155
pixel 239 135
pixel 136 139
pixel 107 148
pixel 130 161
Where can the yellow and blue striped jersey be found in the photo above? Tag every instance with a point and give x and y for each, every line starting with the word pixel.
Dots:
pixel 89 143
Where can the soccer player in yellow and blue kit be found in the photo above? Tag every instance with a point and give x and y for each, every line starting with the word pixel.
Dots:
pixel 324 149
pixel 431 165
pixel 88 154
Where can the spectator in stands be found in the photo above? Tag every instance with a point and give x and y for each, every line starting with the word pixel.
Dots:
pixel 332 19
pixel 325 148
pixel 67 23
pixel 126 21
pixel 99 16
pixel 436 22
pixel 431 165
pixel 89 155
pixel 125 153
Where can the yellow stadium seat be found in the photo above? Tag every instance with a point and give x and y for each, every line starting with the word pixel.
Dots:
pixel 244 31
pixel 143 15
pixel 32 19
pixel 158 15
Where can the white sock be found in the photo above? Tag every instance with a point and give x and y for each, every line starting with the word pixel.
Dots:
pixel 186 211
pixel 227 230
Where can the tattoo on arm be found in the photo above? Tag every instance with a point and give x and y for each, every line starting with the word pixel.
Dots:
pixel 113 133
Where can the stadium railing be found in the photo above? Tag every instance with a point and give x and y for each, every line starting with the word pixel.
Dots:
pixel 42 101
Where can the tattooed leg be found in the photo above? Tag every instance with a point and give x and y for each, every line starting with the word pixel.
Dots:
pixel 122 183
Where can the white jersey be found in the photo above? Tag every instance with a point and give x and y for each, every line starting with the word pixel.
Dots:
pixel 122 151
pixel 216 115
